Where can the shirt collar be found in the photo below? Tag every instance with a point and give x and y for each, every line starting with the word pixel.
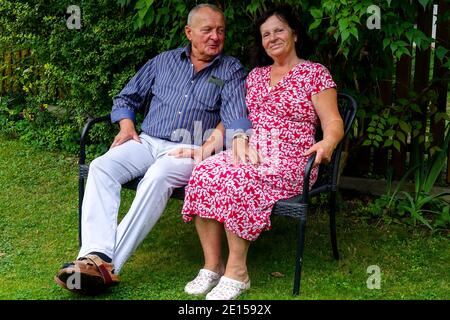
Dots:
pixel 186 53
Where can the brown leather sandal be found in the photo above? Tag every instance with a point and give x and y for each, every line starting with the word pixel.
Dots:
pixel 88 275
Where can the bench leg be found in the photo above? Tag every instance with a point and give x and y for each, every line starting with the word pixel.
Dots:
pixel 299 259
pixel 332 203
pixel 80 204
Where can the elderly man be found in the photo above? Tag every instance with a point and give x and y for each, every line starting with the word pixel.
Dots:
pixel 197 94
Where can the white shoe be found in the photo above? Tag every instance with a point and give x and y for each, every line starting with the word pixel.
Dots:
pixel 205 281
pixel 228 289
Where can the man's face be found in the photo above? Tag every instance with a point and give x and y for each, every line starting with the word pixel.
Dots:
pixel 206 34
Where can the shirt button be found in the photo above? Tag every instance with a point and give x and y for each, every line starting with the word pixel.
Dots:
pixel 185 95
pixel 179 112
pixel 192 81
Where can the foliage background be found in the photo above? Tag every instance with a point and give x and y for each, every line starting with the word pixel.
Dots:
pixel 54 79
pixel 59 77
pixel 67 75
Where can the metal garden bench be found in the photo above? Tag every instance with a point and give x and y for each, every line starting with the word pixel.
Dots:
pixel 295 207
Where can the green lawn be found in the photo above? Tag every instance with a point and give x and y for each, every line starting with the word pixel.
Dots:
pixel 38 231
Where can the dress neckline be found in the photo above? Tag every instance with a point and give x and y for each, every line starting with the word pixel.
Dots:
pixel 269 70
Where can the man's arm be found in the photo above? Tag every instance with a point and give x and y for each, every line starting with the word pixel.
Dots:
pixel 130 100
pixel 233 113
pixel 127 132
pixel 212 145
pixel 233 110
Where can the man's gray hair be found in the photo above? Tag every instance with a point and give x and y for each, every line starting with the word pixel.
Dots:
pixel 203 5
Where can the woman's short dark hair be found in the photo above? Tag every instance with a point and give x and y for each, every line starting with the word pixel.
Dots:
pixel 286 14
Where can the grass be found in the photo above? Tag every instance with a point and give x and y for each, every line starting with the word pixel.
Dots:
pixel 38 227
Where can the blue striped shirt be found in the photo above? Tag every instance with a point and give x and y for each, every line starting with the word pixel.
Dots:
pixel 185 104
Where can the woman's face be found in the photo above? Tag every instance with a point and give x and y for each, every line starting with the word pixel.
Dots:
pixel 278 39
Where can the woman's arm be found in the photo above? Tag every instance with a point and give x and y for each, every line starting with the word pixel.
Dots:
pixel 325 103
pixel 214 143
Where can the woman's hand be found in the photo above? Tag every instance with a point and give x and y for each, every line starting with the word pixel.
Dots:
pixel 127 132
pixel 242 151
pixel 323 149
pixel 194 153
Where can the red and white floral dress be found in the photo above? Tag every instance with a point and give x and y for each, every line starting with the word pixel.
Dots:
pixel 284 121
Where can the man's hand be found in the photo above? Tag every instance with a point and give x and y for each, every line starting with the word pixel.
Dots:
pixel 324 151
pixel 127 132
pixel 241 150
pixel 194 153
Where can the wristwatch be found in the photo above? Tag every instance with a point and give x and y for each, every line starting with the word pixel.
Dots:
pixel 240 135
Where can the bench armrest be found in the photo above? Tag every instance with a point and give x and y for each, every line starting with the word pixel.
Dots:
pixel 84 135
pixel 308 169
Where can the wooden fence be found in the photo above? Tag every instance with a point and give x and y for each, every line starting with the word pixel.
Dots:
pixel 9 60
pixel 411 74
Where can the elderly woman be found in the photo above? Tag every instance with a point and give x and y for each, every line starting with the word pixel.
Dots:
pixel 286 97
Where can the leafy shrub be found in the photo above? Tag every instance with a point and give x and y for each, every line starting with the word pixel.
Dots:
pixel 73 74
pixel 69 75
pixel 420 205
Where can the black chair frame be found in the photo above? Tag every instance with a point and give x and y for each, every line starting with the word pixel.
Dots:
pixel 295 207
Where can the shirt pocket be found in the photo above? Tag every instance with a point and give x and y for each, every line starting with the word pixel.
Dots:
pixel 208 96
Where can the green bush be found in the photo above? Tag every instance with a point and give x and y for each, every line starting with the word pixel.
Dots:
pixel 69 75
pixel 431 210
pixel 65 76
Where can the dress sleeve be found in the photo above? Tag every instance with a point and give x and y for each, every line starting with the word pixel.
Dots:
pixel 322 80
